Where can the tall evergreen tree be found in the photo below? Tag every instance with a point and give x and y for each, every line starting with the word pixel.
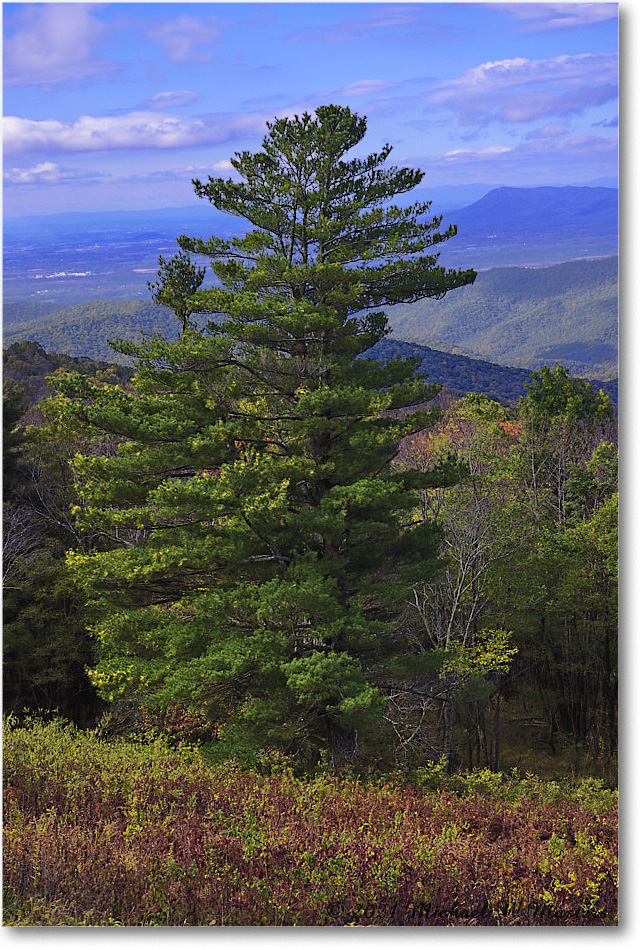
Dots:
pixel 260 539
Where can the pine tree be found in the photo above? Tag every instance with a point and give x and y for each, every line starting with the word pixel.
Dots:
pixel 260 540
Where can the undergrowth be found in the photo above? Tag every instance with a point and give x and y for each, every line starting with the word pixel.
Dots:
pixel 135 833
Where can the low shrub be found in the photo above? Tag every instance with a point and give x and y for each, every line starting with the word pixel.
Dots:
pixel 136 833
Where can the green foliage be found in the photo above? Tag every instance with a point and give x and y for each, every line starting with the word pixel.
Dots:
pixel 555 396
pixel 179 279
pixel 529 543
pixel 491 651
pixel 13 405
pixel 260 541
pixel 45 646
pixel 274 549
pixel 456 373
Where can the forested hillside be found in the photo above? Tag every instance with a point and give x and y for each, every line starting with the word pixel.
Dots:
pixel 25 310
pixel 28 365
pixel 460 375
pixel 85 330
pixel 509 316
pixel 567 313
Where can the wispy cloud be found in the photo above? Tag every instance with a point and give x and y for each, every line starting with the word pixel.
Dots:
pixel 548 17
pixel 383 97
pixel 537 160
pixel 188 38
pixel 546 132
pixel 55 43
pixel 170 100
pixel 407 21
pixel 366 87
pixel 607 123
pixel 521 90
pixel 137 130
pixel 181 173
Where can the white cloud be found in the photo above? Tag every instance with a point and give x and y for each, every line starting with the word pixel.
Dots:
pixel 46 173
pixel 136 130
pixel 50 173
pixel 170 100
pixel 55 43
pixel 188 38
pixel 521 90
pixel 479 152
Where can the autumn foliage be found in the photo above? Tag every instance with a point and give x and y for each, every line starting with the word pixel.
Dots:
pixel 125 833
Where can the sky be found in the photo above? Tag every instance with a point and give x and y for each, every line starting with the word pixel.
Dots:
pixel 118 106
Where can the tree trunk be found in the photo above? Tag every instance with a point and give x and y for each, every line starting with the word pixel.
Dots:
pixel 448 735
pixel 496 748
pixel 342 747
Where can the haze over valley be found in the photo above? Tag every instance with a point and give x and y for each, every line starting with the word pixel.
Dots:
pixel 73 282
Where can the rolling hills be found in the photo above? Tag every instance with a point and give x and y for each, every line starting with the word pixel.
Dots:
pixel 85 330
pixel 82 334
pixel 514 316
pixel 525 317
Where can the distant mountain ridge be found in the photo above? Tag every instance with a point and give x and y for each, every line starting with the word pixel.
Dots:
pixel 77 257
pixel 506 211
pixel 534 226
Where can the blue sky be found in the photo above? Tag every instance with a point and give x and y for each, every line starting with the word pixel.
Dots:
pixel 119 105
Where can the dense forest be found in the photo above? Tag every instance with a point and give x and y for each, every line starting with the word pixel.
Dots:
pixel 288 554
pixel 87 329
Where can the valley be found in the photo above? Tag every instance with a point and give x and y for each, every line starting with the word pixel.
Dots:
pixel 74 282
